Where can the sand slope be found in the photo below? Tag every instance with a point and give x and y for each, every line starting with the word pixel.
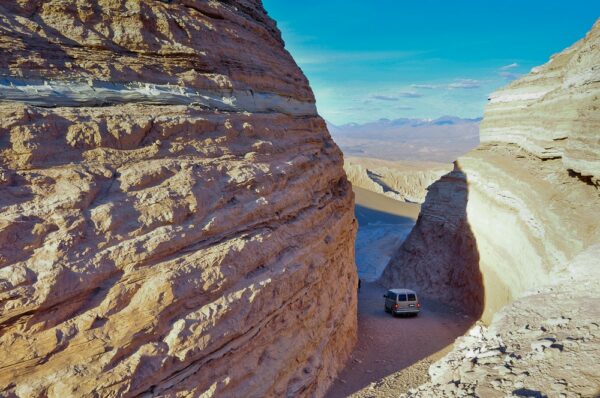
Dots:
pixel 403 181
pixel 383 224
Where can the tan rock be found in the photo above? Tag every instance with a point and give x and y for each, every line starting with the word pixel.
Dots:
pixel 545 343
pixel 404 181
pixel 174 216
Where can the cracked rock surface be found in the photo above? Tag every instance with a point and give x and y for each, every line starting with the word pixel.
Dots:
pixel 153 247
pixel 544 344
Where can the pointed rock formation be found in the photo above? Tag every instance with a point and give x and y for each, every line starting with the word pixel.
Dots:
pixel 174 216
pixel 518 222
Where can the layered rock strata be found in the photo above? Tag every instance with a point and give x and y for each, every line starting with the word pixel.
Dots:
pixel 175 218
pixel 403 181
pixel 508 222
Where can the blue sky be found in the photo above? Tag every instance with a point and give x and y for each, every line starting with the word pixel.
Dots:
pixel 422 58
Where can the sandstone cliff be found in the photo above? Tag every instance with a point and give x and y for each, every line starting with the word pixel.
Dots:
pixel 174 216
pixel 404 181
pixel 507 224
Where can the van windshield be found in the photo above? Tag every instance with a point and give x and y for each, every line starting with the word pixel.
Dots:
pixel 412 297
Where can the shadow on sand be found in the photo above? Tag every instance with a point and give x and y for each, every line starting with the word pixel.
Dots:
pixel 439 260
pixel 367 216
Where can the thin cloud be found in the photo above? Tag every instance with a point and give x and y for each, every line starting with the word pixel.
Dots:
pixel 510 76
pixel 397 97
pixel 456 84
pixel 425 86
pixel 384 98
pixel 409 94
pixel 507 73
pixel 510 66
pixel 464 84
pixel 353 109
pixel 292 37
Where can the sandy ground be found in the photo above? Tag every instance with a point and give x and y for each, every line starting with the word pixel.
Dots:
pixel 383 224
pixel 388 208
pixel 393 354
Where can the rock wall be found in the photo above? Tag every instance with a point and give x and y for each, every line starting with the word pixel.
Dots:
pixel 439 256
pixel 508 222
pixel 544 344
pixel 403 181
pixel 174 216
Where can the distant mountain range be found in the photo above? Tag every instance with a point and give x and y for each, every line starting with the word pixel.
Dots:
pixel 438 140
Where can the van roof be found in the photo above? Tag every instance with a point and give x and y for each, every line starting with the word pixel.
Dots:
pixel 405 291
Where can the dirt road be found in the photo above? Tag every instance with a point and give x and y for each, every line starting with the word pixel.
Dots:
pixel 393 353
pixel 383 224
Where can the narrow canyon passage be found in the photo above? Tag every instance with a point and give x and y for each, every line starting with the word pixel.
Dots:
pixel 393 354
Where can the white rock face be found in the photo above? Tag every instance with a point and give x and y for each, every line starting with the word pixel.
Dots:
pixel 552 113
pixel 51 93
pixel 544 344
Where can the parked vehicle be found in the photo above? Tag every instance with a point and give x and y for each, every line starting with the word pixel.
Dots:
pixel 402 301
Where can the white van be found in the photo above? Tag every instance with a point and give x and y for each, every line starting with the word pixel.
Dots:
pixel 402 301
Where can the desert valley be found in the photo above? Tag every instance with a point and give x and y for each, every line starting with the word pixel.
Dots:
pixel 178 220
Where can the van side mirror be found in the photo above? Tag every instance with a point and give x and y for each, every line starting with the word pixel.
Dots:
pixel 385 296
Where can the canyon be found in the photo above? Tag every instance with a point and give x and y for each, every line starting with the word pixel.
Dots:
pixel 405 181
pixel 176 219
pixel 174 215
pixel 387 196
pixel 512 235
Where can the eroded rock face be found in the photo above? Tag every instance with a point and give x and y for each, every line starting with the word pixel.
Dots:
pixel 175 218
pixel 440 250
pixel 508 222
pixel 508 209
pixel 403 181
pixel 543 344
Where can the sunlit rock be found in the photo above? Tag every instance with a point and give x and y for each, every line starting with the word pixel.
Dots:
pixel 174 216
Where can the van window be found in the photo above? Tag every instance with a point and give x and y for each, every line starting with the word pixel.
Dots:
pixel 392 296
pixel 402 297
pixel 412 297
